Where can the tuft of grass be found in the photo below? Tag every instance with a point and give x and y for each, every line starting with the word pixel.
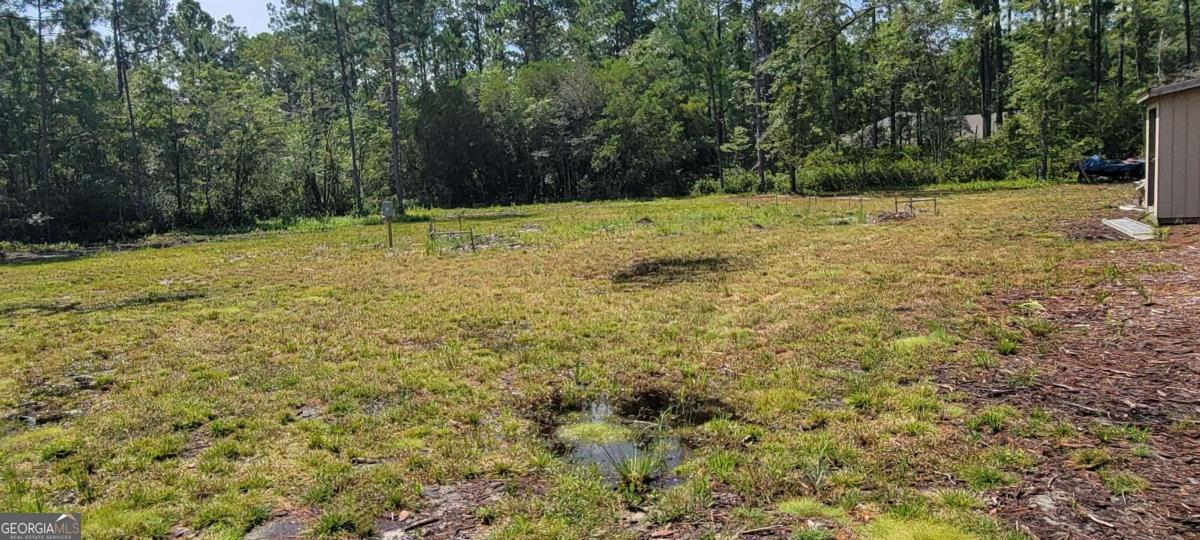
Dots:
pixel 1108 433
pixel 984 359
pixel 1038 327
pixel 636 471
pixel 808 507
pixel 958 499
pixel 338 523
pixel 1090 458
pixel 231 512
pixel 682 502
pixel 1006 346
pixel 1123 482
pixel 60 448
pixel 890 528
pixel 814 531
pixel 993 418
pixel 912 344
pixel 1026 377
pixel 1031 306
pixel 157 448
pixel 982 477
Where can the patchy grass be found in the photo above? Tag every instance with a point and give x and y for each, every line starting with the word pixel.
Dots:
pixel 208 385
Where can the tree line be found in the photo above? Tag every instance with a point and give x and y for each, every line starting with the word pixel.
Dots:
pixel 122 117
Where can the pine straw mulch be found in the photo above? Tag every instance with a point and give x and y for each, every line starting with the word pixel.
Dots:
pixel 1126 350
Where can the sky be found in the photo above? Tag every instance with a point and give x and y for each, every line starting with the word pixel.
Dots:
pixel 249 14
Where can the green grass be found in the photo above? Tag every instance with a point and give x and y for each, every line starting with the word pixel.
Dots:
pixel 913 529
pixel 259 372
pixel 807 507
pixel 1123 482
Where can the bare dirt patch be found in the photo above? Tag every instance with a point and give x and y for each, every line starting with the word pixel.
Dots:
pixel 1125 355
pixel 283 525
pixel 887 217
pixel 447 512
pixel 1090 229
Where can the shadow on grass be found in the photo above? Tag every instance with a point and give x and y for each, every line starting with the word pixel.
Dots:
pixel 666 270
pixel 76 307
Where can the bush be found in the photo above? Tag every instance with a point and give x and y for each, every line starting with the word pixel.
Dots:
pixel 738 180
pixel 706 186
pixel 878 173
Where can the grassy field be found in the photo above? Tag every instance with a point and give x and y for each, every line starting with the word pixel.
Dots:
pixel 771 360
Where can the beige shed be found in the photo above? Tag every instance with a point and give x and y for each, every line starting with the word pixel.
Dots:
pixel 1173 152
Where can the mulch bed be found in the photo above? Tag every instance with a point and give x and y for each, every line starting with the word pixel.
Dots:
pixel 1126 351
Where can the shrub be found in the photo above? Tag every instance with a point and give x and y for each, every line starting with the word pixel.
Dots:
pixel 706 186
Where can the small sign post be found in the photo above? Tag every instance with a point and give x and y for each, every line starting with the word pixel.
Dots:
pixel 389 211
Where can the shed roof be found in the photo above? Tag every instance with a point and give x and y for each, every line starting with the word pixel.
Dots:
pixel 1170 89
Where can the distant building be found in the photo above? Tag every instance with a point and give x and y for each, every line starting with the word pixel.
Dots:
pixel 1172 192
pixel 968 126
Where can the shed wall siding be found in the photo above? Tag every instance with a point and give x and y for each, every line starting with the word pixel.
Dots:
pixel 1166 122
pixel 1191 169
pixel 1179 121
pixel 1179 156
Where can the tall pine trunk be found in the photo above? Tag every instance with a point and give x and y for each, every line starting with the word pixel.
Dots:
pixel 389 23
pixel 342 68
pixel 43 171
pixel 1187 28
pixel 999 77
pixel 760 164
pixel 985 66
pixel 123 87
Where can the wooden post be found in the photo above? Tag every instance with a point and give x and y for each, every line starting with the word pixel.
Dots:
pixel 389 211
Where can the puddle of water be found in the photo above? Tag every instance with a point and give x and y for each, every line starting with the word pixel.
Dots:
pixel 608 441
